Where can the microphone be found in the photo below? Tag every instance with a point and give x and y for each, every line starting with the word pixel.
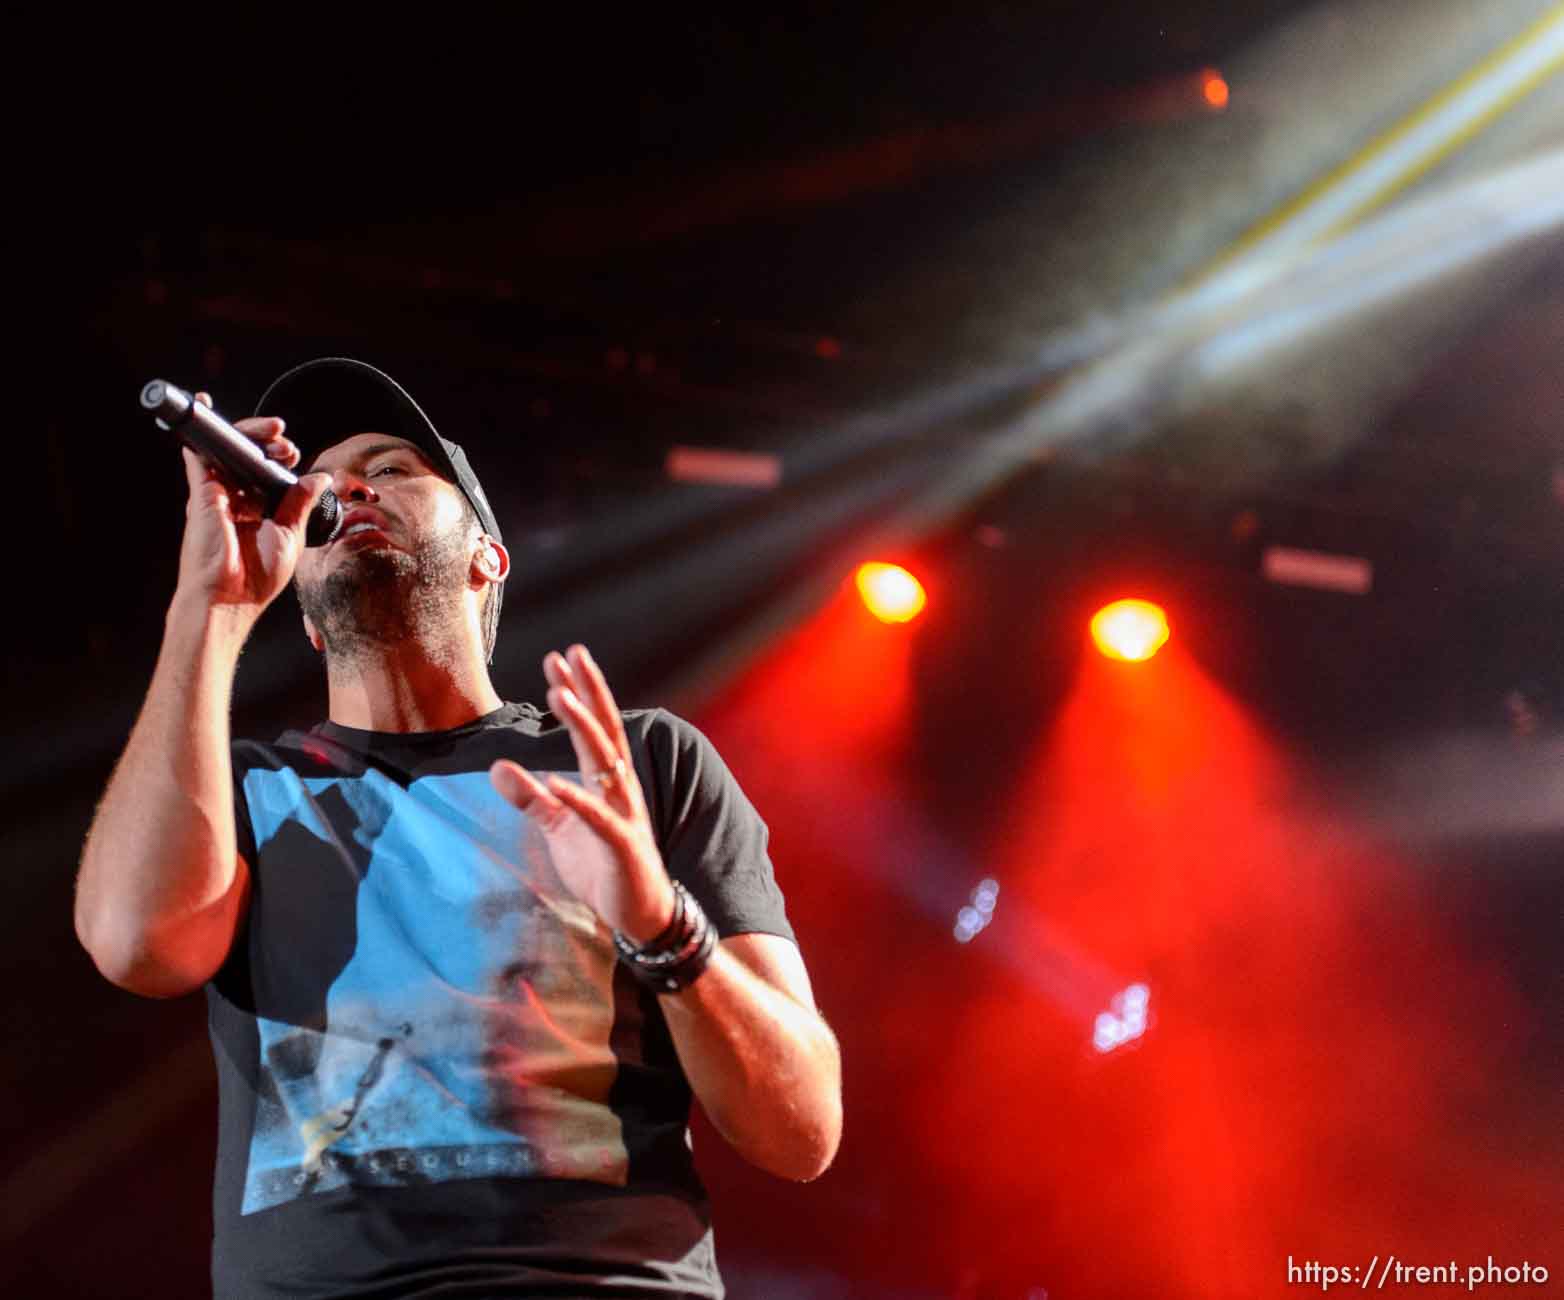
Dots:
pixel 209 435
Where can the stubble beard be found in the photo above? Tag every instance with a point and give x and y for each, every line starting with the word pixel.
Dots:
pixel 380 596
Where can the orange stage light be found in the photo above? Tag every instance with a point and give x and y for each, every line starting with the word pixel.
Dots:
pixel 892 594
pixel 1131 630
pixel 1214 88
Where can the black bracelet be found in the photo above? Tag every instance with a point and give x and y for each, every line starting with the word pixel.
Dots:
pixel 675 926
pixel 676 957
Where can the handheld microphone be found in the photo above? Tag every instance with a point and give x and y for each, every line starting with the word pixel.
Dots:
pixel 209 435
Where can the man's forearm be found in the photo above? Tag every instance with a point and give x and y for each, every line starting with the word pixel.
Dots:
pixel 766 1068
pixel 158 887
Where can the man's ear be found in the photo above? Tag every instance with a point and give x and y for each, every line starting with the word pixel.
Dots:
pixel 315 637
pixel 492 560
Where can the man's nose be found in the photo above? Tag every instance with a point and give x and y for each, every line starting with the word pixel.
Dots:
pixel 353 487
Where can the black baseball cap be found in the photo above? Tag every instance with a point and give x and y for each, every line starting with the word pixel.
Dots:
pixel 331 398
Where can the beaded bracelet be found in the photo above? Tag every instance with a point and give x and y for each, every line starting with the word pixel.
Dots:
pixel 674 959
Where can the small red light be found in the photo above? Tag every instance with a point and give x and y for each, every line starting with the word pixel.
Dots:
pixel 1214 88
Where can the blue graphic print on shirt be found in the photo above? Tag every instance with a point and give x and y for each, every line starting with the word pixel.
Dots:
pixel 467 1033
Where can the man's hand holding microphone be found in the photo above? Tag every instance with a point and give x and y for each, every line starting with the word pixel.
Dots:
pixel 234 557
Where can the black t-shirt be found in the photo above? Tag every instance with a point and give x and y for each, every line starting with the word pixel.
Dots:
pixel 434 1077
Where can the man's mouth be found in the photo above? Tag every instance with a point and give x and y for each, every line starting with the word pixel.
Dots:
pixel 361 520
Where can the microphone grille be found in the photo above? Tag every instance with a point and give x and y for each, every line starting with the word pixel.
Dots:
pixel 325 520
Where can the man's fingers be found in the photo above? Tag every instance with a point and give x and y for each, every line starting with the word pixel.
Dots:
pixel 209 493
pixel 282 451
pixel 520 787
pixel 267 432
pixel 197 476
pixel 300 500
pixel 593 687
pixel 594 751
pixel 596 725
pixel 592 810
pixel 557 669
pixel 580 675
pixel 260 427
pixel 195 469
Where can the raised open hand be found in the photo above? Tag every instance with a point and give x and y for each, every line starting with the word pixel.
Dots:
pixel 599 834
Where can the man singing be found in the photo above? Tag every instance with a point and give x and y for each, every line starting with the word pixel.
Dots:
pixel 465 960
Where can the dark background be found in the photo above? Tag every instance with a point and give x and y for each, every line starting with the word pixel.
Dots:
pixel 1324 829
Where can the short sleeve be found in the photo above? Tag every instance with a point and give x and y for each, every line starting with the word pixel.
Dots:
pixel 712 839
pixel 232 978
pixel 244 830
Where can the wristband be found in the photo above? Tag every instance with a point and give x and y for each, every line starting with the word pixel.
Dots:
pixel 676 957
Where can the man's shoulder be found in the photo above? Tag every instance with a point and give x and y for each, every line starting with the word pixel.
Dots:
pixel 664 731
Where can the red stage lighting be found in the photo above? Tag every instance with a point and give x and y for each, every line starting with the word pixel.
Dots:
pixel 1131 630
pixel 892 594
pixel 1214 88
